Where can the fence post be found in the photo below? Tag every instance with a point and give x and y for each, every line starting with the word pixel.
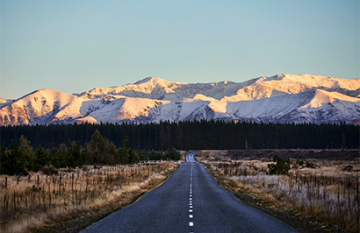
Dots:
pixel 5 181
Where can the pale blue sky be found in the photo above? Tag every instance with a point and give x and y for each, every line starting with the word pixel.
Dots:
pixel 73 46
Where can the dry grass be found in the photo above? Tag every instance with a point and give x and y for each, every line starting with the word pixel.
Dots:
pixel 43 200
pixel 326 192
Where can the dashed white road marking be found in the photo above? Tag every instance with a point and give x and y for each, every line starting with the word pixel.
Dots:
pixel 191 216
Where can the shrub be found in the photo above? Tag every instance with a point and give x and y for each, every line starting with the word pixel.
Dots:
pixel 281 166
pixel 300 162
pixel 49 170
pixel 310 164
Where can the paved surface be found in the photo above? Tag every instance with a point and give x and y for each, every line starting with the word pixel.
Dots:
pixel 189 201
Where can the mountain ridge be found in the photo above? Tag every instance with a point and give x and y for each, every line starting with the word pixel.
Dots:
pixel 283 98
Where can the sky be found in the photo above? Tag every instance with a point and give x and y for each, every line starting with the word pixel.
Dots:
pixel 73 46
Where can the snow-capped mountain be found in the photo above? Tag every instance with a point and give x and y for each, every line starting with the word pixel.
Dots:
pixel 282 98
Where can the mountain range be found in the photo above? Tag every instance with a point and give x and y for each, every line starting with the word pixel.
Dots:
pixel 282 98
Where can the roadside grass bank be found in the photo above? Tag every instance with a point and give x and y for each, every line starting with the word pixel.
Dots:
pixel 321 199
pixel 71 199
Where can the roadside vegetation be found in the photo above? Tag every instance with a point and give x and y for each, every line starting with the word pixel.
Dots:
pixel 46 186
pixel 19 158
pixel 311 196
pixel 42 200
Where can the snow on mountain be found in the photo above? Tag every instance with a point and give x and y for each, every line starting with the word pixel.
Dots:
pixel 4 102
pixel 41 107
pixel 152 88
pixel 311 107
pixel 286 84
pixel 281 98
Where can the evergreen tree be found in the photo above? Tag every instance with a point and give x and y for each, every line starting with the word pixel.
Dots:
pixel 41 158
pixel 70 160
pixel 27 150
pixel 111 154
pixel 96 148
pixel 133 157
pixel 172 154
pixel 123 155
pixel 62 153
pixel 54 157
pixel 3 158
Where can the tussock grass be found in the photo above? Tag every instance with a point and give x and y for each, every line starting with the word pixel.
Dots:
pixel 28 204
pixel 328 192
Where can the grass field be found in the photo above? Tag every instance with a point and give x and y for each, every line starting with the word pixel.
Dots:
pixel 34 202
pixel 328 191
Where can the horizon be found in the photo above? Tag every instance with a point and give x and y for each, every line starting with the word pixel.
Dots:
pixel 77 46
pixel 134 83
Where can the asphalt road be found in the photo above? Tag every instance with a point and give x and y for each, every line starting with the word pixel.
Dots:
pixel 189 201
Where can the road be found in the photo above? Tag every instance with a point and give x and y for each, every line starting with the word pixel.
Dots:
pixel 189 201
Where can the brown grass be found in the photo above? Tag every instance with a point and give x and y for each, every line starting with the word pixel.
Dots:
pixel 43 200
pixel 328 193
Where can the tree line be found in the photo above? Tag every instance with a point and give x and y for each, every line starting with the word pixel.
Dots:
pixel 19 157
pixel 195 135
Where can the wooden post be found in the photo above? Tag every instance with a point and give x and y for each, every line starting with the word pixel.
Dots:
pixel 60 184
pixel 14 200
pixel 5 181
pixel 49 194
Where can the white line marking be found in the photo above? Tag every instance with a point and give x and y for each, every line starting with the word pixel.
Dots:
pixel 191 224
pixel 191 216
pixel 190 206
pixel 190 211
pixel 190 198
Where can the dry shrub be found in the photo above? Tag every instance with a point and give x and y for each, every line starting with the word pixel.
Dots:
pixel 269 199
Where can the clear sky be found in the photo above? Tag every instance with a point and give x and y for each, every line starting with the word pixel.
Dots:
pixel 73 46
